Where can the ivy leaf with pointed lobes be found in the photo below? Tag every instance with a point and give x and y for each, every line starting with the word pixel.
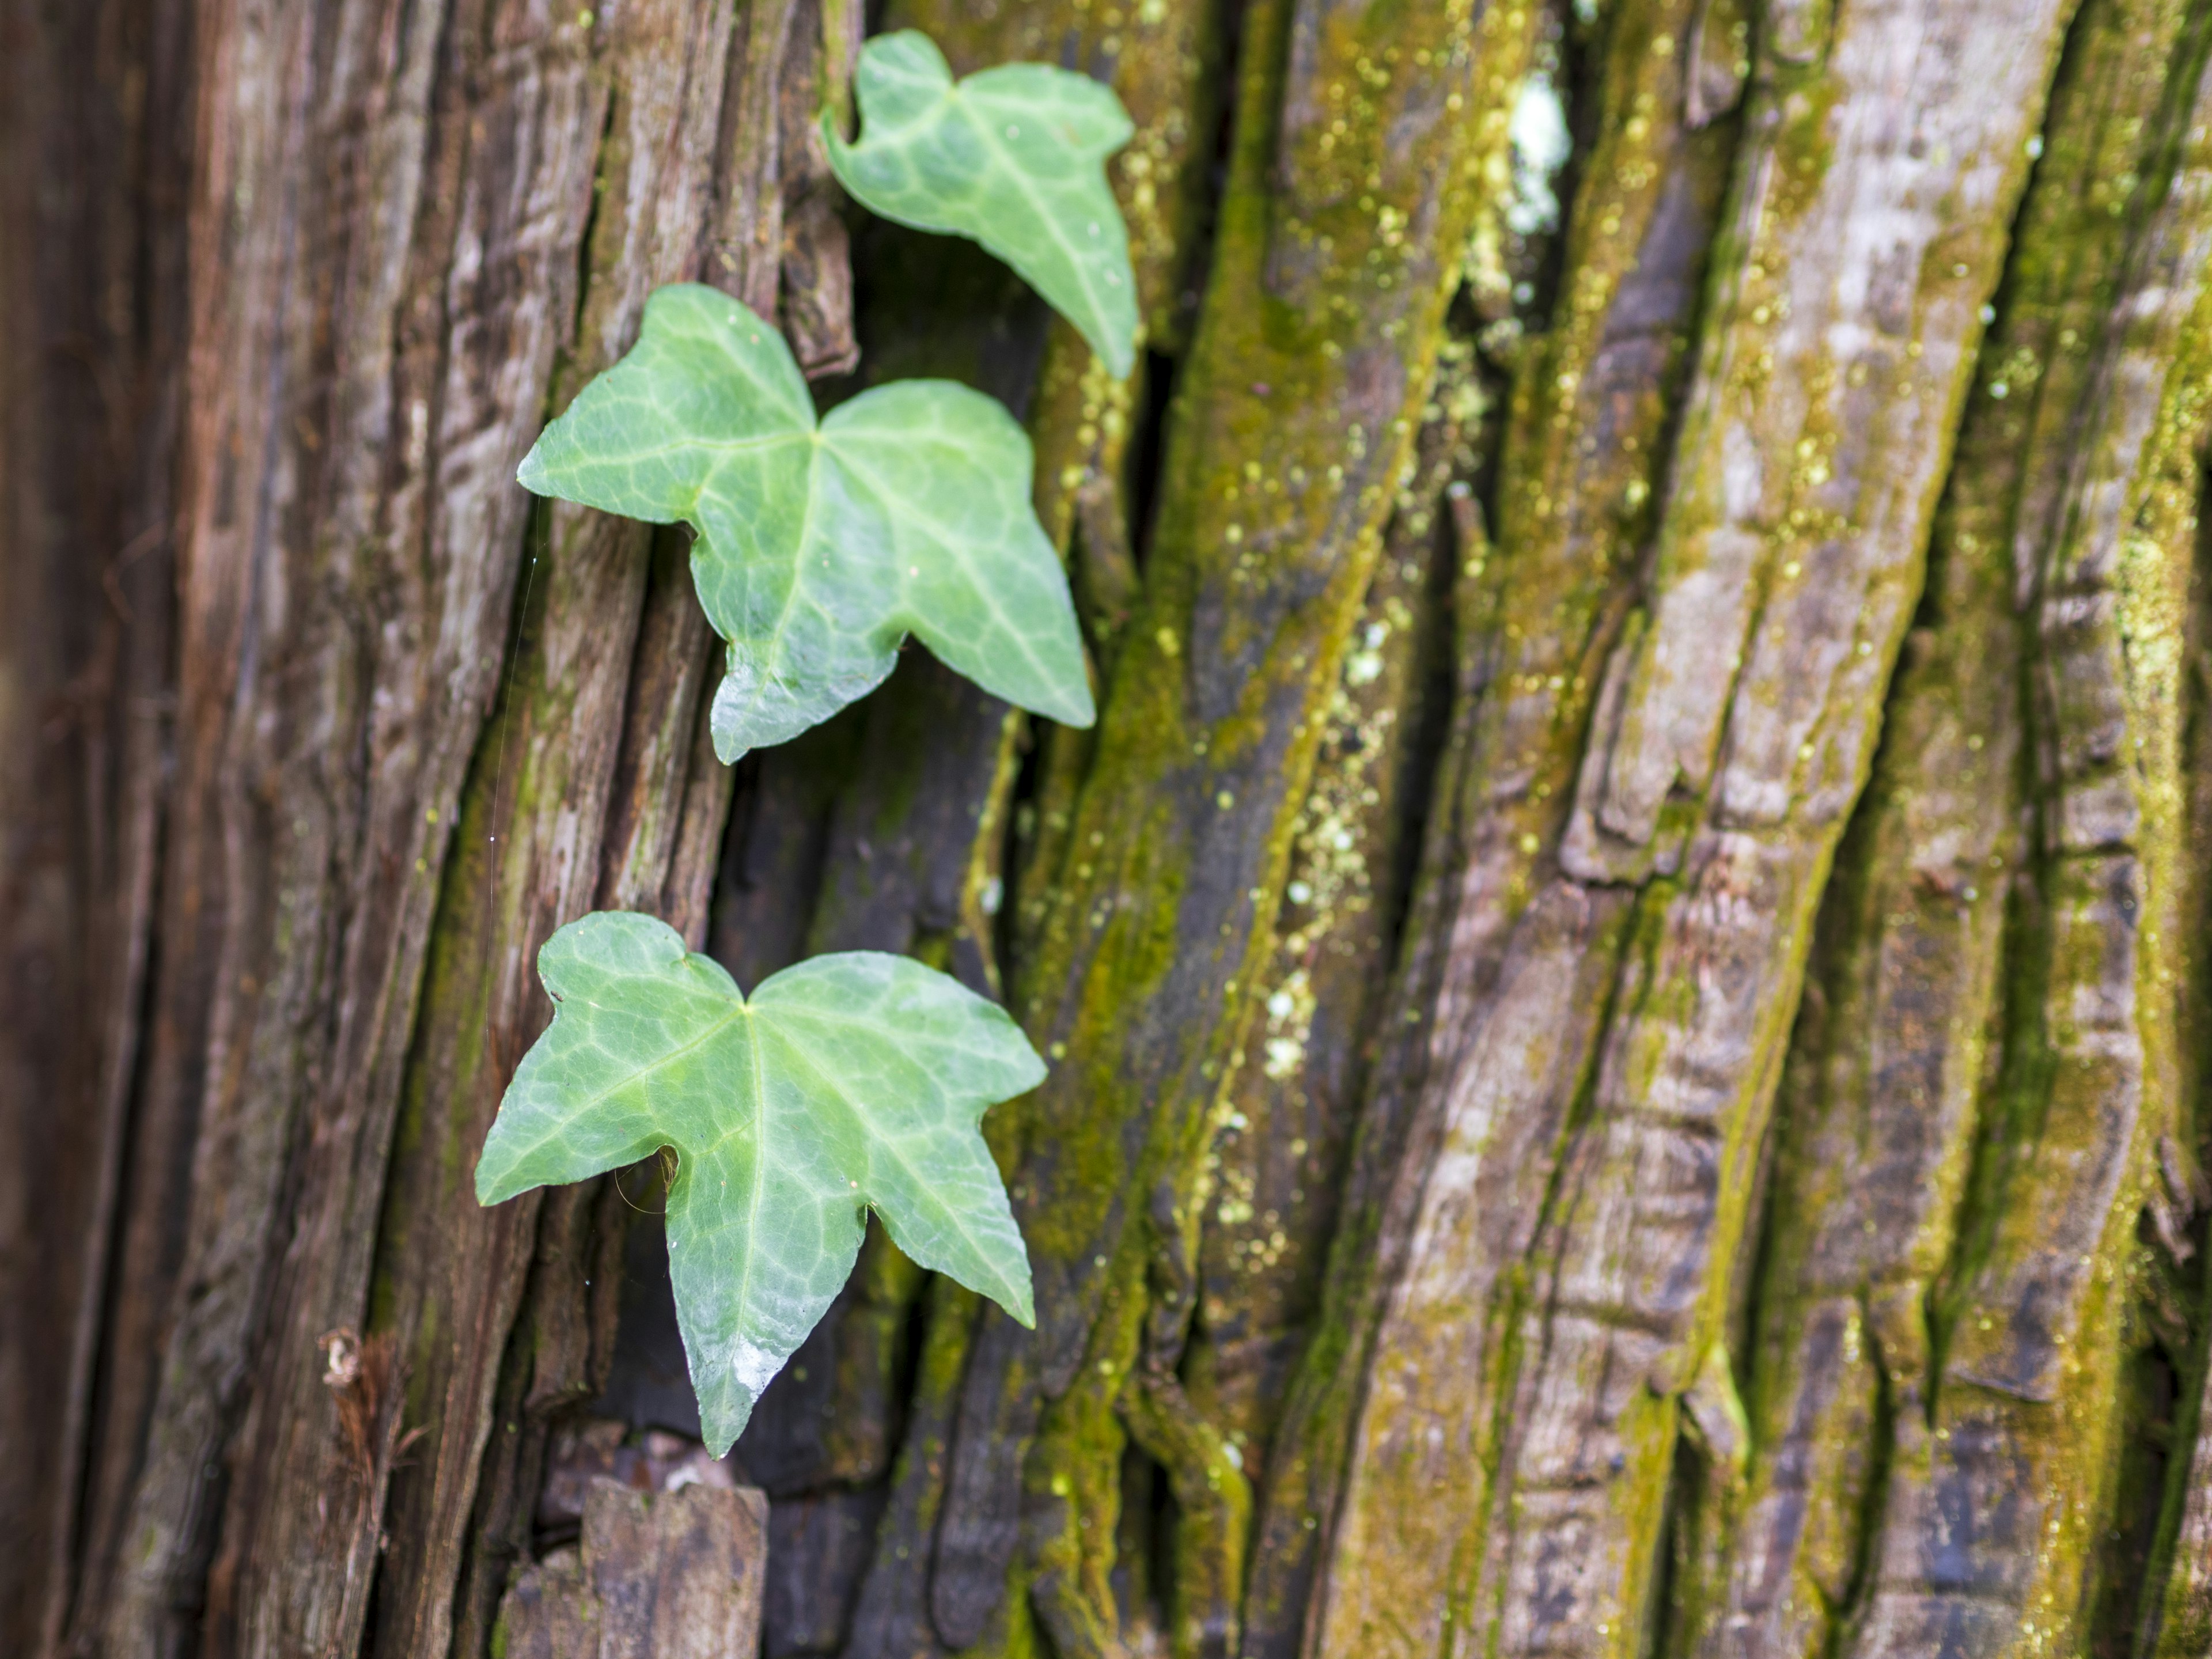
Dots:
pixel 1013 157
pixel 821 547
pixel 851 1082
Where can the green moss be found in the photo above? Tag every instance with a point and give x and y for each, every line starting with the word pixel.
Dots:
pixel 1150 892
pixel 1954 761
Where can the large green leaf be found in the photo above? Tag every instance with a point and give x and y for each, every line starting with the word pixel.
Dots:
pixel 821 547
pixel 851 1082
pixel 1013 157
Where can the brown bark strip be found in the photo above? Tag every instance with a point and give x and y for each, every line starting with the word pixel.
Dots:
pixel 564 810
pixel 386 239
pixel 1731 733
pixel 593 808
pixel 2022 1428
pixel 340 631
pixel 92 141
pixel 290 1505
pixel 1897 1050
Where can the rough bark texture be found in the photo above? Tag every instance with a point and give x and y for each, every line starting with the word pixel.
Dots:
pixel 672 1576
pixel 1624 968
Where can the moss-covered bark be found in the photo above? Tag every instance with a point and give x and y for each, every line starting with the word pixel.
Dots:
pixel 1452 1235
pixel 1587 439
pixel 1949 1012
pixel 1313 355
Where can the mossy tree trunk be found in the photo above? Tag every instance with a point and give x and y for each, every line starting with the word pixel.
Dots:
pixel 1625 967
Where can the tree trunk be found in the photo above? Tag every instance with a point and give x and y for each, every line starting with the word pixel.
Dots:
pixel 1623 970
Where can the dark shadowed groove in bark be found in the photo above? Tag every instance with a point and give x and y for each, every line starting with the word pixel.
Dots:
pixel 897 1579
pixel 1906 1030
pixel 1280 1133
pixel 912 856
pixel 901 847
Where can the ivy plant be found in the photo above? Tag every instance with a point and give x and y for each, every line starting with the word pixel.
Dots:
pixel 1013 157
pixel 821 545
pixel 852 1082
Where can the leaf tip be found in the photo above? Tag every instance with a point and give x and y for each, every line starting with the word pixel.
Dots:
pixel 1018 1296
pixel 493 1186
pixel 1078 709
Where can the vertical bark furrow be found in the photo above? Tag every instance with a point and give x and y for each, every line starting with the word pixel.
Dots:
pixel 1280 1133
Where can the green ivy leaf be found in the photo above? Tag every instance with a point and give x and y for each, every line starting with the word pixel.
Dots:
pixel 907 509
pixel 1013 157
pixel 850 1082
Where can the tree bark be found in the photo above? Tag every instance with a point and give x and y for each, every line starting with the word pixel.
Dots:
pixel 1623 970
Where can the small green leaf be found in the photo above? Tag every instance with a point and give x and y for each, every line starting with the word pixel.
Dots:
pixel 850 1082
pixel 820 548
pixel 1013 157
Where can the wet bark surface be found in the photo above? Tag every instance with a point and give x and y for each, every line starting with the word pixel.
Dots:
pixel 1623 968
